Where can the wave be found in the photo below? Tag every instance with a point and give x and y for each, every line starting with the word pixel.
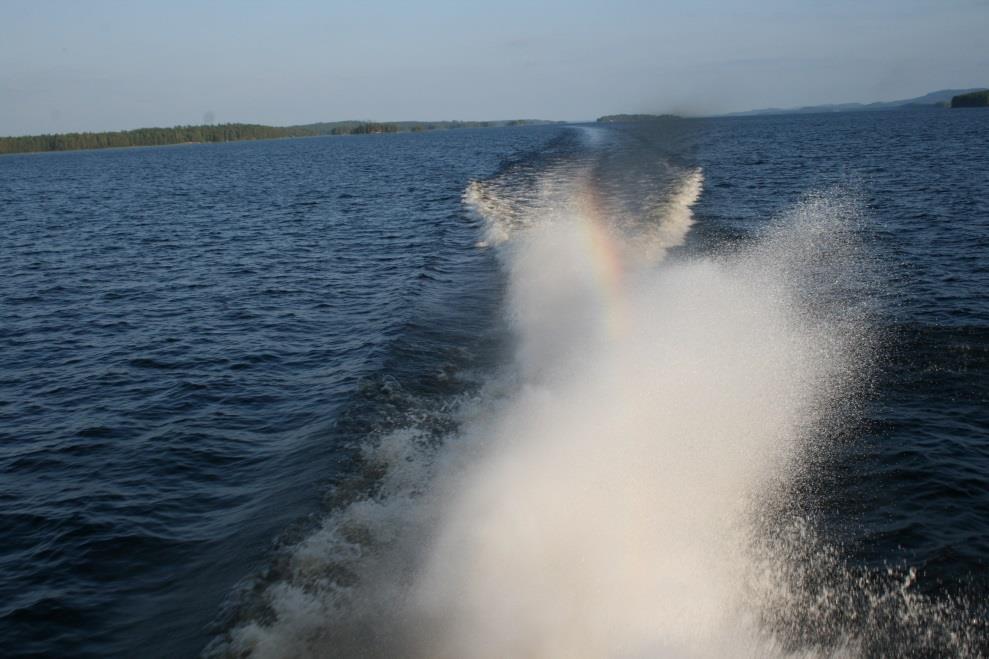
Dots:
pixel 569 192
pixel 625 486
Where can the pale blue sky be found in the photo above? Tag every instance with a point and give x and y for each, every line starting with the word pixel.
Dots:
pixel 115 64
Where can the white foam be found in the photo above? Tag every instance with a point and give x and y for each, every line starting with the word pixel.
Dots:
pixel 610 512
pixel 676 216
pixel 603 502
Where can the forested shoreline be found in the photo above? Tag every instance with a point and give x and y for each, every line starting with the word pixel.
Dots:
pixel 214 133
pixel 979 99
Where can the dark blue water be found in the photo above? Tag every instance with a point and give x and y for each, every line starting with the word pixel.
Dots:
pixel 180 329
pixel 197 341
pixel 913 486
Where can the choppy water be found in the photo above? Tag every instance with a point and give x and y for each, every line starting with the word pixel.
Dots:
pixel 627 390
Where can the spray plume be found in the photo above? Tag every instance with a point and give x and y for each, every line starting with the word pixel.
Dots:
pixel 611 494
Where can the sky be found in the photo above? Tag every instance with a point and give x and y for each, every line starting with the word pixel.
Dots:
pixel 91 65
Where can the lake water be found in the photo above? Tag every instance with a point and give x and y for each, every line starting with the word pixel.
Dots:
pixel 685 388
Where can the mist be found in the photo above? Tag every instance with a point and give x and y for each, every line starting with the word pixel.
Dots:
pixel 623 486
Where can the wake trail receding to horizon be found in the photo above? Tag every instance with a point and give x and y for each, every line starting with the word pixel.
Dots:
pixel 621 489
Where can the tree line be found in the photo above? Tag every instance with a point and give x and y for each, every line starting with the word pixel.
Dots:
pixel 224 133
pixel 971 100
pixel 630 118
pixel 147 137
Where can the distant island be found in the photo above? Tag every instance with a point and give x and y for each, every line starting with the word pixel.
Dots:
pixel 979 99
pixel 943 98
pixel 625 118
pixel 230 133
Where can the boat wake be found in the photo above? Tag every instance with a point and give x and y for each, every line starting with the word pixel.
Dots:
pixel 625 485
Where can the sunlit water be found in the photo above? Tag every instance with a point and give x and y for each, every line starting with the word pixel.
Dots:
pixel 688 389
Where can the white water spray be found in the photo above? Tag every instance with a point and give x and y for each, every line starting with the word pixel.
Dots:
pixel 606 506
pixel 610 511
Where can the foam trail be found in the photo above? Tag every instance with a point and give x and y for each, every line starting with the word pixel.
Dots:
pixel 676 216
pixel 609 499
pixel 609 514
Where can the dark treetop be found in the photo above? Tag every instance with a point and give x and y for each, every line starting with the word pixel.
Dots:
pixel 972 100
pixel 226 133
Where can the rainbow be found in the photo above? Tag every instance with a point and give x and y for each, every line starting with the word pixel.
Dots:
pixel 609 254
pixel 606 255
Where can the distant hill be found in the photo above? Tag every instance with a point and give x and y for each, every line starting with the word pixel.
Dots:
pixel 941 98
pixel 625 118
pixel 229 133
pixel 352 127
pixel 978 99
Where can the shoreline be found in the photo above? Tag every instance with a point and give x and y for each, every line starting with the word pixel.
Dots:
pixel 42 143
